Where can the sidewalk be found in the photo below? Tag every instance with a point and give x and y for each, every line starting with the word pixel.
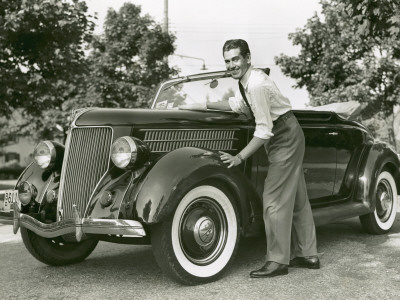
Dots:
pixel 7 235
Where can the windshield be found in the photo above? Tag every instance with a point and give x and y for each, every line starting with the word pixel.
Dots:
pixel 196 91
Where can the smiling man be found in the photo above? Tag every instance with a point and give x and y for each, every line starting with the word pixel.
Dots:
pixel 289 223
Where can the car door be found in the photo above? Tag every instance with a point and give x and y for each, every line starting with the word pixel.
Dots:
pixel 319 164
pixel 349 144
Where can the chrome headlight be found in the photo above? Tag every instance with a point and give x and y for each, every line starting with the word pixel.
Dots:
pixel 127 152
pixel 45 154
pixel 26 192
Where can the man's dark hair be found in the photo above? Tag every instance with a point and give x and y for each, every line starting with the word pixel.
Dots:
pixel 234 44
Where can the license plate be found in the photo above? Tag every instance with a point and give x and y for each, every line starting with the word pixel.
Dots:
pixel 10 196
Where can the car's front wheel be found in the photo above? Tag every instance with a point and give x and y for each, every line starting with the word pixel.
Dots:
pixel 381 220
pixel 56 251
pixel 196 244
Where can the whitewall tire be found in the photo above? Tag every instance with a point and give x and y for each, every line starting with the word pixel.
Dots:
pixel 381 220
pixel 197 243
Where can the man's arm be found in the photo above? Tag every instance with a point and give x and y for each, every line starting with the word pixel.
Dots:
pixel 252 147
pixel 220 105
pixel 246 152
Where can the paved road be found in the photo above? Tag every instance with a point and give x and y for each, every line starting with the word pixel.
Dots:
pixel 355 265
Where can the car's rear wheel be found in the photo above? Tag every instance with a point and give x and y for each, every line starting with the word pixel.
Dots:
pixel 381 220
pixel 56 251
pixel 197 243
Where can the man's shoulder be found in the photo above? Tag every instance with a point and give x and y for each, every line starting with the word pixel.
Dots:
pixel 258 77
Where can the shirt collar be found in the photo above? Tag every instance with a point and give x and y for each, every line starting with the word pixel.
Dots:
pixel 245 79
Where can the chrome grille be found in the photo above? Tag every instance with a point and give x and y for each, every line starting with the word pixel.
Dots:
pixel 165 140
pixel 86 160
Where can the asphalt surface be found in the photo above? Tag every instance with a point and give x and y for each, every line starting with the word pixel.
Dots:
pixel 355 265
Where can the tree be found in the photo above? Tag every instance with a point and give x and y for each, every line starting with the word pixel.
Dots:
pixel 340 60
pixel 129 59
pixel 42 59
pixel 377 20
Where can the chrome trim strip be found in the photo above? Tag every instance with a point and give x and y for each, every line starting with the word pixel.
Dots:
pixel 51 180
pixel 63 171
pixel 22 174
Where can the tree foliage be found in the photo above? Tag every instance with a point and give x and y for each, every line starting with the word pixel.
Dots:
pixel 346 55
pixel 42 64
pixel 51 64
pixel 129 59
pixel 378 20
pixel 42 53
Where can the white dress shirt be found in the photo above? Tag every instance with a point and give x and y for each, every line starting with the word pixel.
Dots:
pixel 265 99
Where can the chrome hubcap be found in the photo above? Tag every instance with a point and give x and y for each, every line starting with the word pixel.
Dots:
pixel 384 203
pixel 385 200
pixel 203 231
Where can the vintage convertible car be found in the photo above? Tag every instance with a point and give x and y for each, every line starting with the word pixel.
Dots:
pixel 153 176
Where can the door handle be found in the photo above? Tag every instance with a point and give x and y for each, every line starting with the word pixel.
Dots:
pixel 333 133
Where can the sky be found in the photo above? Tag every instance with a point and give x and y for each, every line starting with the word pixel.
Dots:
pixel 202 27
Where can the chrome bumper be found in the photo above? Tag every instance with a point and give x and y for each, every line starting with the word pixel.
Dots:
pixel 79 226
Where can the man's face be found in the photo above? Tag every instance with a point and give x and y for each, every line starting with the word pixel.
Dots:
pixel 235 63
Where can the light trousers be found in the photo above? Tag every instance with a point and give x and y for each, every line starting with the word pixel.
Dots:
pixel 289 224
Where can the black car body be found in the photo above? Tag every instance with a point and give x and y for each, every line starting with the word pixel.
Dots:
pixel 175 193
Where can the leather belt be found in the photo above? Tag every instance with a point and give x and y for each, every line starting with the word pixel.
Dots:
pixel 283 117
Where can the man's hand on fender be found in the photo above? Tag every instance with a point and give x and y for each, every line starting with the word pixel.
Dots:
pixel 233 161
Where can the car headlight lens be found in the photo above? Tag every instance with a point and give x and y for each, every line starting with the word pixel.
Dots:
pixel 45 154
pixel 127 151
pixel 26 192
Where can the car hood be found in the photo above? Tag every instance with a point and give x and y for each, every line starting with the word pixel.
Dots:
pixel 149 117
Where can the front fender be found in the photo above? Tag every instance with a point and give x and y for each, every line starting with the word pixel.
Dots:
pixel 160 190
pixel 378 157
pixel 115 183
pixel 38 177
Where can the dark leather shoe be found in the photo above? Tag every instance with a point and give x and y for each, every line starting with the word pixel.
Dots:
pixel 310 262
pixel 270 269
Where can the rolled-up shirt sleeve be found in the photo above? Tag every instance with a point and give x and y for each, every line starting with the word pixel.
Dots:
pixel 261 105
pixel 238 105
pixel 235 104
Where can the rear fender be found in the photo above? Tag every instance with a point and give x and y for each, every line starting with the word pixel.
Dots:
pixel 160 190
pixel 378 157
